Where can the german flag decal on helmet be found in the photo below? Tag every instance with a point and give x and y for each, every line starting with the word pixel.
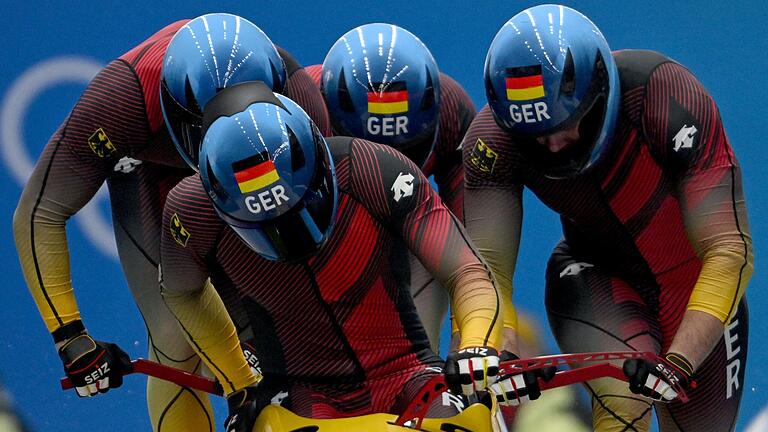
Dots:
pixel 524 83
pixel 254 173
pixel 391 99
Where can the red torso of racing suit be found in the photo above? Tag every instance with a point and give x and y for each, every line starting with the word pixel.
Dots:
pixel 339 328
pixel 444 163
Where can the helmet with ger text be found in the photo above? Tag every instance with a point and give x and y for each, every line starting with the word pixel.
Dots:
pixel 381 83
pixel 268 172
pixel 550 69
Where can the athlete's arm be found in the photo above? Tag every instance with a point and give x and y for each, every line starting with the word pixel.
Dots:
pixel 190 231
pixel 107 123
pixel 692 142
pixel 493 210
pixel 413 210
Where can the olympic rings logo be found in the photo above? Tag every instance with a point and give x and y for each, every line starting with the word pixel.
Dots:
pixel 13 149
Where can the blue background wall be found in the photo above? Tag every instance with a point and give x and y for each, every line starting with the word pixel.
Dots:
pixel 725 46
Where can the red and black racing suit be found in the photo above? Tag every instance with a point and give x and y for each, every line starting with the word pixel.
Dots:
pixel 116 133
pixel 444 162
pixel 339 330
pixel 657 228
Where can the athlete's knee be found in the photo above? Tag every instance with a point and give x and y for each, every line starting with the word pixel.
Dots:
pixel 565 274
pixel 175 409
pixel 168 345
pixel 615 408
pixel 559 259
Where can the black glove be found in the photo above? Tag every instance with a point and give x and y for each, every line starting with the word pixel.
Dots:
pixel 470 370
pixel 93 366
pixel 245 405
pixel 656 379
pixel 520 387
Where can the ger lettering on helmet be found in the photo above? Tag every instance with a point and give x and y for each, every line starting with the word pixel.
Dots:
pixel 381 83
pixel 268 172
pixel 550 69
pixel 207 54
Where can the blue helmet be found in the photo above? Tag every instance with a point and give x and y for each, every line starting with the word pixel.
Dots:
pixel 381 83
pixel 207 54
pixel 548 68
pixel 268 172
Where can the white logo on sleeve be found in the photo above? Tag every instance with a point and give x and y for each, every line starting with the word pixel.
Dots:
pixel 684 137
pixel 403 186
pixel 126 165
pixel 574 269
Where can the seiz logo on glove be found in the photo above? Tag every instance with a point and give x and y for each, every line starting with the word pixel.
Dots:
pixel 657 380
pixel 520 387
pixel 92 366
pixel 470 370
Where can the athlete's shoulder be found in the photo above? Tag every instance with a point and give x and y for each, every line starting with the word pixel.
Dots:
pixel 190 217
pixel 680 118
pixel 190 198
pixel 454 99
pixel 291 64
pixel 485 127
pixel 305 92
pixel 146 61
pixel 453 89
pixel 157 42
pixel 383 179
pixel 109 120
pixel 315 72
pixel 340 147
pixel 369 150
pixel 636 66
pixel 456 113
pixel 490 155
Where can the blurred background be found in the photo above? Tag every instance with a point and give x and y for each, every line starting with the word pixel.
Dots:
pixel 50 50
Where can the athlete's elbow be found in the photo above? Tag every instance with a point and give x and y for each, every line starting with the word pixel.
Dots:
pixel 171 297
pixel 739 257
pixel 175 292
pixel 22 218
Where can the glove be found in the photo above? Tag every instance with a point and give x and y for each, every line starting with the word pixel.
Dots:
pixel 655 379
pixel 470 370
pixel 245 405
pixel 250 356
pixel 93 366
pixel 520 387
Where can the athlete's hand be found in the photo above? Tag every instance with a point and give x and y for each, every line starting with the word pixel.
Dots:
pixel 93 366
pixel 655 379
pixel 521 387
pixel 250 356
pixel 470 370
pixel 245 405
